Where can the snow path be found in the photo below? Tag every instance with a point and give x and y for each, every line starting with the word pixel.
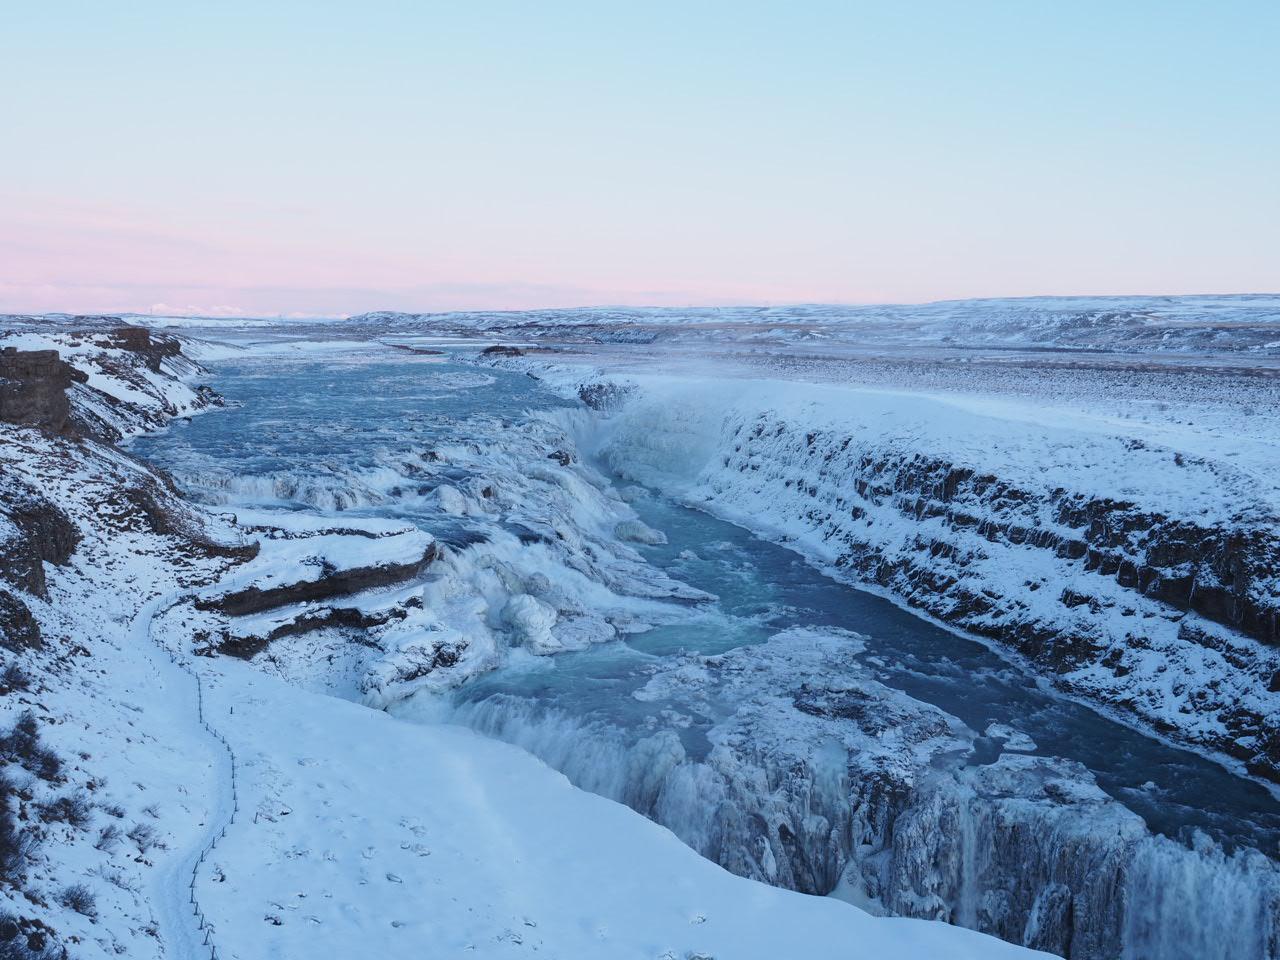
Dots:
pixel 185 931
pixel 373 837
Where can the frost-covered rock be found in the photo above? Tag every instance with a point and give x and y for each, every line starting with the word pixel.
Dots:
pixel 452 501
pixel 635 531
pixel 529 621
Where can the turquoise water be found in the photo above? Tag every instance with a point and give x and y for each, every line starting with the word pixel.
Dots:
pixel 336 432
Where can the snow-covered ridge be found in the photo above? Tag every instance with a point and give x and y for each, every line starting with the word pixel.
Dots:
pixel 122 380
pixel 1248 325
pixel 133 772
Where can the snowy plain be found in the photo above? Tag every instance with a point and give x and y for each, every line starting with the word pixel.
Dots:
pixel 342 848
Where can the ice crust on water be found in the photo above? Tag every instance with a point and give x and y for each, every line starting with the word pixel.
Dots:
pixel 1010 738
pixel 633 531
pixel 811 775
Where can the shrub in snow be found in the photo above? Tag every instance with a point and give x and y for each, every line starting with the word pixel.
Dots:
pixel 75 811
pixel 13 678
pixel 17 843
pixel 144 837
pixel 22 745
pixel 23 740
pixel 108 837
pixel 79 898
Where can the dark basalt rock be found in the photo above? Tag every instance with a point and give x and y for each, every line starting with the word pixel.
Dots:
pixel 18 628
pixel 333 583
pixel 417 351
pixel 443 655
pixel 497 350
pixel 1220 573
pixel 33 389
pixel 141 341
pixel 41 533
pixel 350 618
pixel 602 396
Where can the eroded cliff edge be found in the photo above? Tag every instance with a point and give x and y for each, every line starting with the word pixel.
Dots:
pixel 1138 573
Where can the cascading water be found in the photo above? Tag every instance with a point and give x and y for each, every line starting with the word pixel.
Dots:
pixel 904 768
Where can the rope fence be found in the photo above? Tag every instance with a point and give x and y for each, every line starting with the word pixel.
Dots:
pixel 203 926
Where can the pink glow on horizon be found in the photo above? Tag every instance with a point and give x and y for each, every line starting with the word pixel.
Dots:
pixel 134 261
pixel 339 158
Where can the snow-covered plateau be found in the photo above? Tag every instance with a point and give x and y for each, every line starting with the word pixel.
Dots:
pixel 943 631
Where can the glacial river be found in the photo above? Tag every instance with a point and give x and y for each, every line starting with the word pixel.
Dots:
pixel 322 430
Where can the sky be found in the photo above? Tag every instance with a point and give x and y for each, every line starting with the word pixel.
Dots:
pixel 325 158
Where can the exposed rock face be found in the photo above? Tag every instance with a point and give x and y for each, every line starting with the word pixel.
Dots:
pixel 18 628
pixel 1169 616
pixel 248 646
pixel 33 531
pixel 33 389
pixel 140 341
pixel 41 390
pixel 105 384
pixel 331 583
pixel 603 395
pixel 1226 575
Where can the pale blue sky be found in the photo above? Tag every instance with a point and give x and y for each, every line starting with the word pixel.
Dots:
pixel 330 157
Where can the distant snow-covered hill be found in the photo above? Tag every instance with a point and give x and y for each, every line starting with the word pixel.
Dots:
pixel 1232 324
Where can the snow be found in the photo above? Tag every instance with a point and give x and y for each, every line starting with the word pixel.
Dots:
pixel 357 834
pixel 1226 325
pixel 1033 446
pixel 122 396
pixel 445 838
pixel 530 622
